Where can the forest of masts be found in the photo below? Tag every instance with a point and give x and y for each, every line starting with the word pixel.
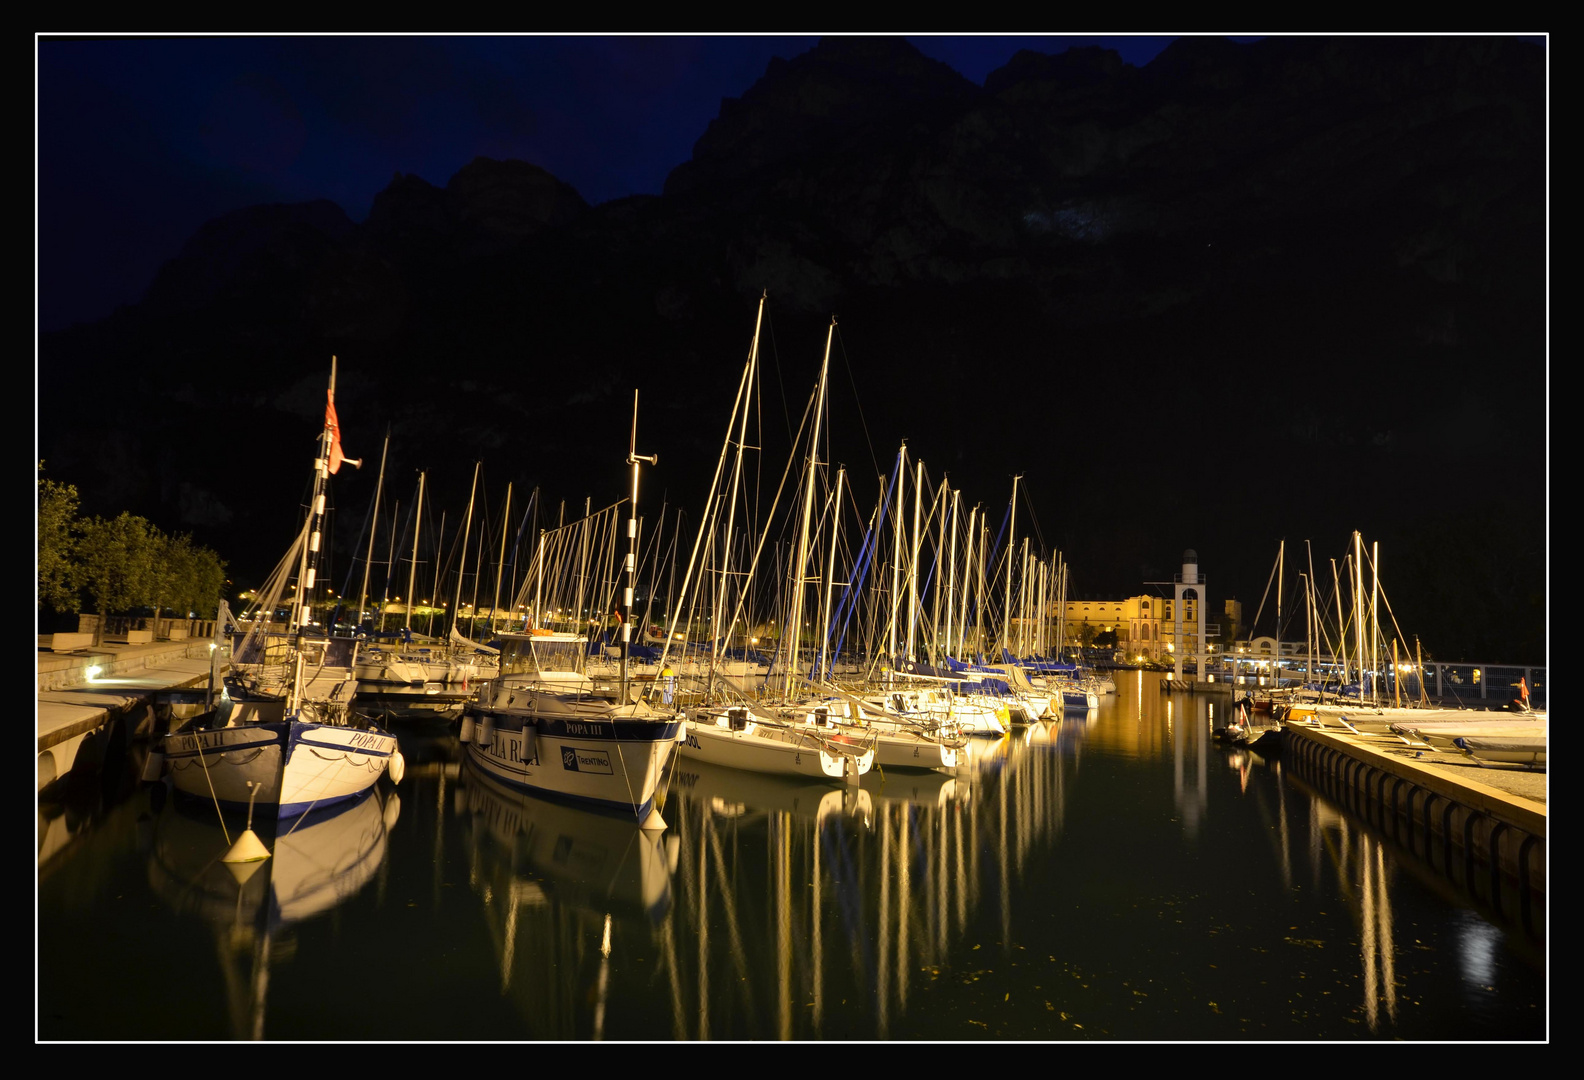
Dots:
pixel 800 574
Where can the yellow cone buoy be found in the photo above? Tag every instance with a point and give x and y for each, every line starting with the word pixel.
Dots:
pixel 247 849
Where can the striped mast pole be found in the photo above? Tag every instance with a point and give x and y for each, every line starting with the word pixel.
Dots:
pixel 634 459
pixel 327 461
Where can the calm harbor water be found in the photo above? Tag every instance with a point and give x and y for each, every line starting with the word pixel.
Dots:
pixel 1110 876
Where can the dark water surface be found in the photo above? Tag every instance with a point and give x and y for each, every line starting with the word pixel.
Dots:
pixel 1110 876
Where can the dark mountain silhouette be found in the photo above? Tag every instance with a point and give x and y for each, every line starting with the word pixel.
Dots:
pixel 1246 292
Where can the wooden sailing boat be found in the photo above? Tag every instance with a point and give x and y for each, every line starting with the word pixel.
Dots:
pixel 286 738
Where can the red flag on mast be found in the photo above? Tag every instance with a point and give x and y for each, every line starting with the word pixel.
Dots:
pixel 333 426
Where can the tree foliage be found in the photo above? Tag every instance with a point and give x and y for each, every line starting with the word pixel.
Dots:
pixel 190 578
pixel 57 512
pixel 116 565
pixel 120 565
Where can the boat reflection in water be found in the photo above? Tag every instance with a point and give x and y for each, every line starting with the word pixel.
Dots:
pixel 564 888
pixel 807 912
pixel 1124 877
pixel 317 862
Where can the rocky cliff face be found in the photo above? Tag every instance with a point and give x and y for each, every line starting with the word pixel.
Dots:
pixel 1267 286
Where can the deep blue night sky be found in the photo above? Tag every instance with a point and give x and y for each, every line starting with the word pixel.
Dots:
pixel 142 140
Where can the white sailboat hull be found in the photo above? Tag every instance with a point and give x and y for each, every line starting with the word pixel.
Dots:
pixel 901 750
pixel 780 751
pixel 288 766
pixel 615 763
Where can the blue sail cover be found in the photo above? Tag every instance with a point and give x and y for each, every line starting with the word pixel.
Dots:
pixel 1034 663
pixel 904 666
pixel 995 687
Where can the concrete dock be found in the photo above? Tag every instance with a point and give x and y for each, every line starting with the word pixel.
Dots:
pixel 1484 825
pixel 82 691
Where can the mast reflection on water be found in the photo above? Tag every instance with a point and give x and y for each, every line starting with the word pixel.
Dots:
pixel 1113 874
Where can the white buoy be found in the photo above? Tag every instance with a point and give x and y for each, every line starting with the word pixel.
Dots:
pixel 248 847
pixel 396 767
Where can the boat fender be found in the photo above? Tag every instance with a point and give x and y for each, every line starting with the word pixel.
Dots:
pixel 485 734
pixel 466 732
pixel 396 767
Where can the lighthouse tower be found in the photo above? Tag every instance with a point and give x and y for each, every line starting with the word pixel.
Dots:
pixel 1190 588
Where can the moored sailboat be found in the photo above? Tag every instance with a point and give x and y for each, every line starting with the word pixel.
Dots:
pixel 284 737
pixel 544 726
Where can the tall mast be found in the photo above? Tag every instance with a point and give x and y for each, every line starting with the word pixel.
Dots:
pixel 970 538
pixel 951 575
pixel 390 563
pixel 678 601
pixel 1358 602
pixel 1006 615
pixel 435 592
pixel 944 503
pixel 412 567
pixel 1336 587
pixel 1311 593
pixel 1375 634
pixel 918 503
pixel 1040 607
pixel 368 559
pixel 500 566
pixel 1308 628
pixel 582 580
pixel 633 459
pixel 976 556
pixel 328 461
pixel 830 577
pixel 800 567
pixel 1023 601
pixel 1061 608
pixel 537 572
pixel 478 565
pixel 718 593
pixel 1281 566
pixel 896 556
pixel 467 529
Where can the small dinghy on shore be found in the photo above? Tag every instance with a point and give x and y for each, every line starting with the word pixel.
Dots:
pixel 1527 750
